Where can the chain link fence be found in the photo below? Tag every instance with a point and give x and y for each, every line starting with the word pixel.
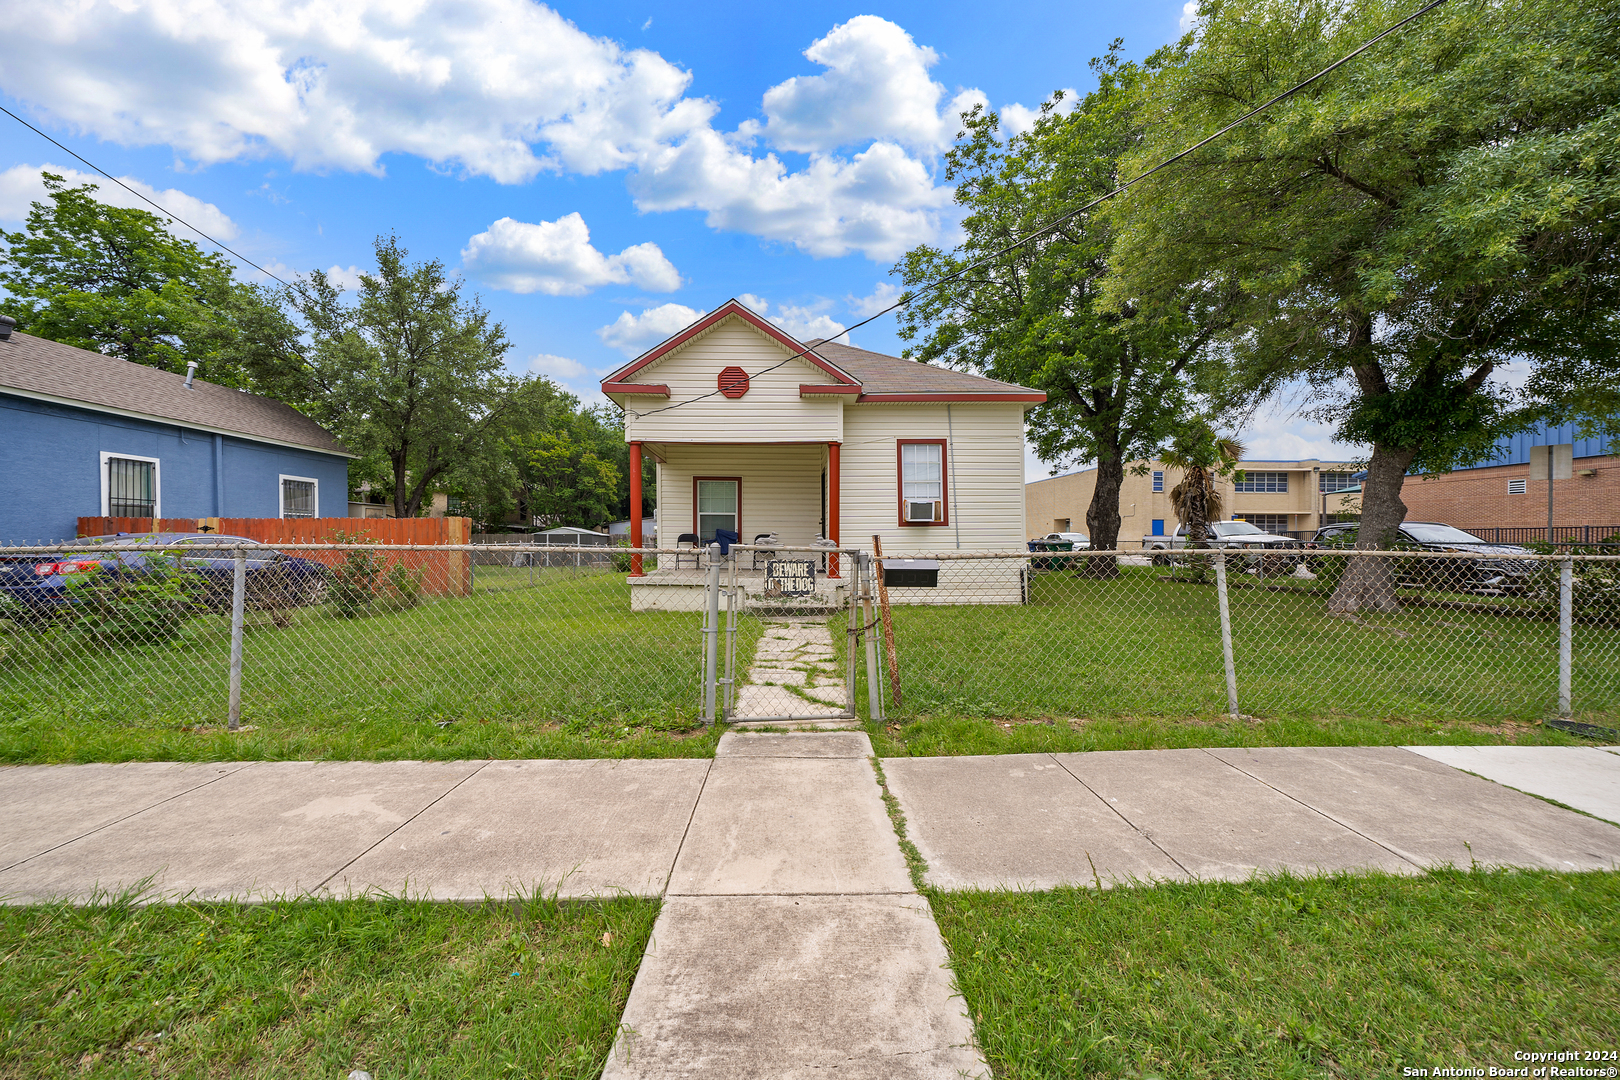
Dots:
pixel 129 632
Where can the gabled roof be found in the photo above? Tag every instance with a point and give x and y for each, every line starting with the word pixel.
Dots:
pixel 852 373
pixel 889 378
pixel 45 370
pixel 730 308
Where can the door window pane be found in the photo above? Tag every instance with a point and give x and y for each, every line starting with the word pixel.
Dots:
pixel 716 507
pixel 131 488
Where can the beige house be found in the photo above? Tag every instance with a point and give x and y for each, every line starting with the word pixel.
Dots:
pixel 1277 496
pixel 842 443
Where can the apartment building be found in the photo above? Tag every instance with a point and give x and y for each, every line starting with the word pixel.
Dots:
pixel 1277 496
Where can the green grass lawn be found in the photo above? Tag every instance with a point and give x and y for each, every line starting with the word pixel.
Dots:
pixel 1147 648
pixel 1348 976
pixel 552 663
pixel 316 988
pixel 562 669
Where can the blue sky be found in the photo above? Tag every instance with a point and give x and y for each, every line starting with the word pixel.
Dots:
pixel 599 173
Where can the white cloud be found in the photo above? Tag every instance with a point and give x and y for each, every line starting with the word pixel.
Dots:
pixel 1189 15
pixel 21 185
pixel 558 368
pixel 1019 119
pixel 632 334
pixel 346 276
pixel 884 294
pixel 805 323
pixel 1278 432
pixel 556 258
pixel 876 87
pixel 504 89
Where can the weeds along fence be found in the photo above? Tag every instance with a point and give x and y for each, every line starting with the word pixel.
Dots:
pixel 199 633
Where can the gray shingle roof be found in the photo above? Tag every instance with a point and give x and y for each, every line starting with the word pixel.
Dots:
pixel 880 374
pixel 37 366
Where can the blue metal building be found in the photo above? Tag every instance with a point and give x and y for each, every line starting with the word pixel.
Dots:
pixel 85 435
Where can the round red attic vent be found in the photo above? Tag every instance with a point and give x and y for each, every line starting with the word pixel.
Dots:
pixel 734 382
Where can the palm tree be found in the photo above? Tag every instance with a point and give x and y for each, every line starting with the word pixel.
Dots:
pixel 1201 455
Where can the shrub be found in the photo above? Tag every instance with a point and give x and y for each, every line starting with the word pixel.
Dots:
pixel 122 607
pixel 355 579
pixel 1594 586
pixel 405 584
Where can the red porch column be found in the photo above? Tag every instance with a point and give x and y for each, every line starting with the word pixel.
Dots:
pixel 832 505
pixel 635 508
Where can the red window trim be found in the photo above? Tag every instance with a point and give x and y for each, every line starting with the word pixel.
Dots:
pixel 900 483
pixel 734 479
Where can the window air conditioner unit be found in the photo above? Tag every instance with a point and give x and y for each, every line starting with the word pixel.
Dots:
pixel 923 511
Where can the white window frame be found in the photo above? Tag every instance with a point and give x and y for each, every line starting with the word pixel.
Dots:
pixel 281 493
pixel 157 483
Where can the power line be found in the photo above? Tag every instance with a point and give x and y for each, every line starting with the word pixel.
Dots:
pixel 138 195
pixel 907 297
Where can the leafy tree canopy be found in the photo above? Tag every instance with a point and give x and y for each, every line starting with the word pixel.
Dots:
pixel 1444 205
pixel 117 281
pixel 1118 379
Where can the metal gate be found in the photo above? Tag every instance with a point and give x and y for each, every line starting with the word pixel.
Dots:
pixel 798 628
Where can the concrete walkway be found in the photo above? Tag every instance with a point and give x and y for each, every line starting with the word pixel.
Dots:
pixel 790 942
pixel 793 674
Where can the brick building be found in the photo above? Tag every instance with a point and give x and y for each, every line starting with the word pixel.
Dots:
pixel 1498 500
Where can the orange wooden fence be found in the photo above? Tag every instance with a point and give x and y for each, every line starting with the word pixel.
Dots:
pixel 447 573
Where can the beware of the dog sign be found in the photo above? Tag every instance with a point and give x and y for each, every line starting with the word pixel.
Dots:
pixel 790 577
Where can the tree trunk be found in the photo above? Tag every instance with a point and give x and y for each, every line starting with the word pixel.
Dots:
pixel 1102 516
pixel 1369 584
pixel 401 498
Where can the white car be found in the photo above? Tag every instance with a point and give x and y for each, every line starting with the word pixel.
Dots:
pixel 1081 541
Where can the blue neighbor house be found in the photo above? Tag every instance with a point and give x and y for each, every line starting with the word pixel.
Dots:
pixel 87 435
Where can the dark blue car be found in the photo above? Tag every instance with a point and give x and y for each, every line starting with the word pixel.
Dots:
pixel 36 585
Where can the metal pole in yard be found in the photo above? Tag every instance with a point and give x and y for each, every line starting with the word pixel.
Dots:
pixel 711 635
pixel 1226 635
pixel 1566 627
pixel 238 606
pixel 889 650
pixel 874 675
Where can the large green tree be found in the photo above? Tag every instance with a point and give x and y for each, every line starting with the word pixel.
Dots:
pixel 118 281
pixel 1446 204
pixel 411 374
pixel 1118 380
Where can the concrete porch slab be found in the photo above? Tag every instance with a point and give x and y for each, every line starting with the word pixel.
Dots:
pixel 795 987
pixel 1018 821
pixel 1218 822
pixel 278 828
pixel 789 826
pixel 45 806
pixel 579 828
pixel 1579 776
pixel 1428 813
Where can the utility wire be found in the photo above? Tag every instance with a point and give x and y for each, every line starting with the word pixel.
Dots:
pixel 138 195
pixel 909 295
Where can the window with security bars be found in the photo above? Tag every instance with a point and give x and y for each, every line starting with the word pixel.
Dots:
pixel 131 488
pixel 922 483
pixel 1268 482
pixel 297 498
pixel 1336 481
pixel 1272 523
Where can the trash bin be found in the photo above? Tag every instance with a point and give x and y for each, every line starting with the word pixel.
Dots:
pixel 1050 546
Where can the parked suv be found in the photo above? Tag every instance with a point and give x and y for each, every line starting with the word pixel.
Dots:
pixel 1499 573
pixel 1226 536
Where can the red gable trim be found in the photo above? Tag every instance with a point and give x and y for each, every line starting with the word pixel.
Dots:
pixel 823 389
pixel 880 398
pixel 637 389
pixel 730 307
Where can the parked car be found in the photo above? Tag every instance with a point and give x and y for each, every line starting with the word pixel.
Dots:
pixel 1080 540
pixel 1502 572
pixel 1226 536
pixel 35 585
